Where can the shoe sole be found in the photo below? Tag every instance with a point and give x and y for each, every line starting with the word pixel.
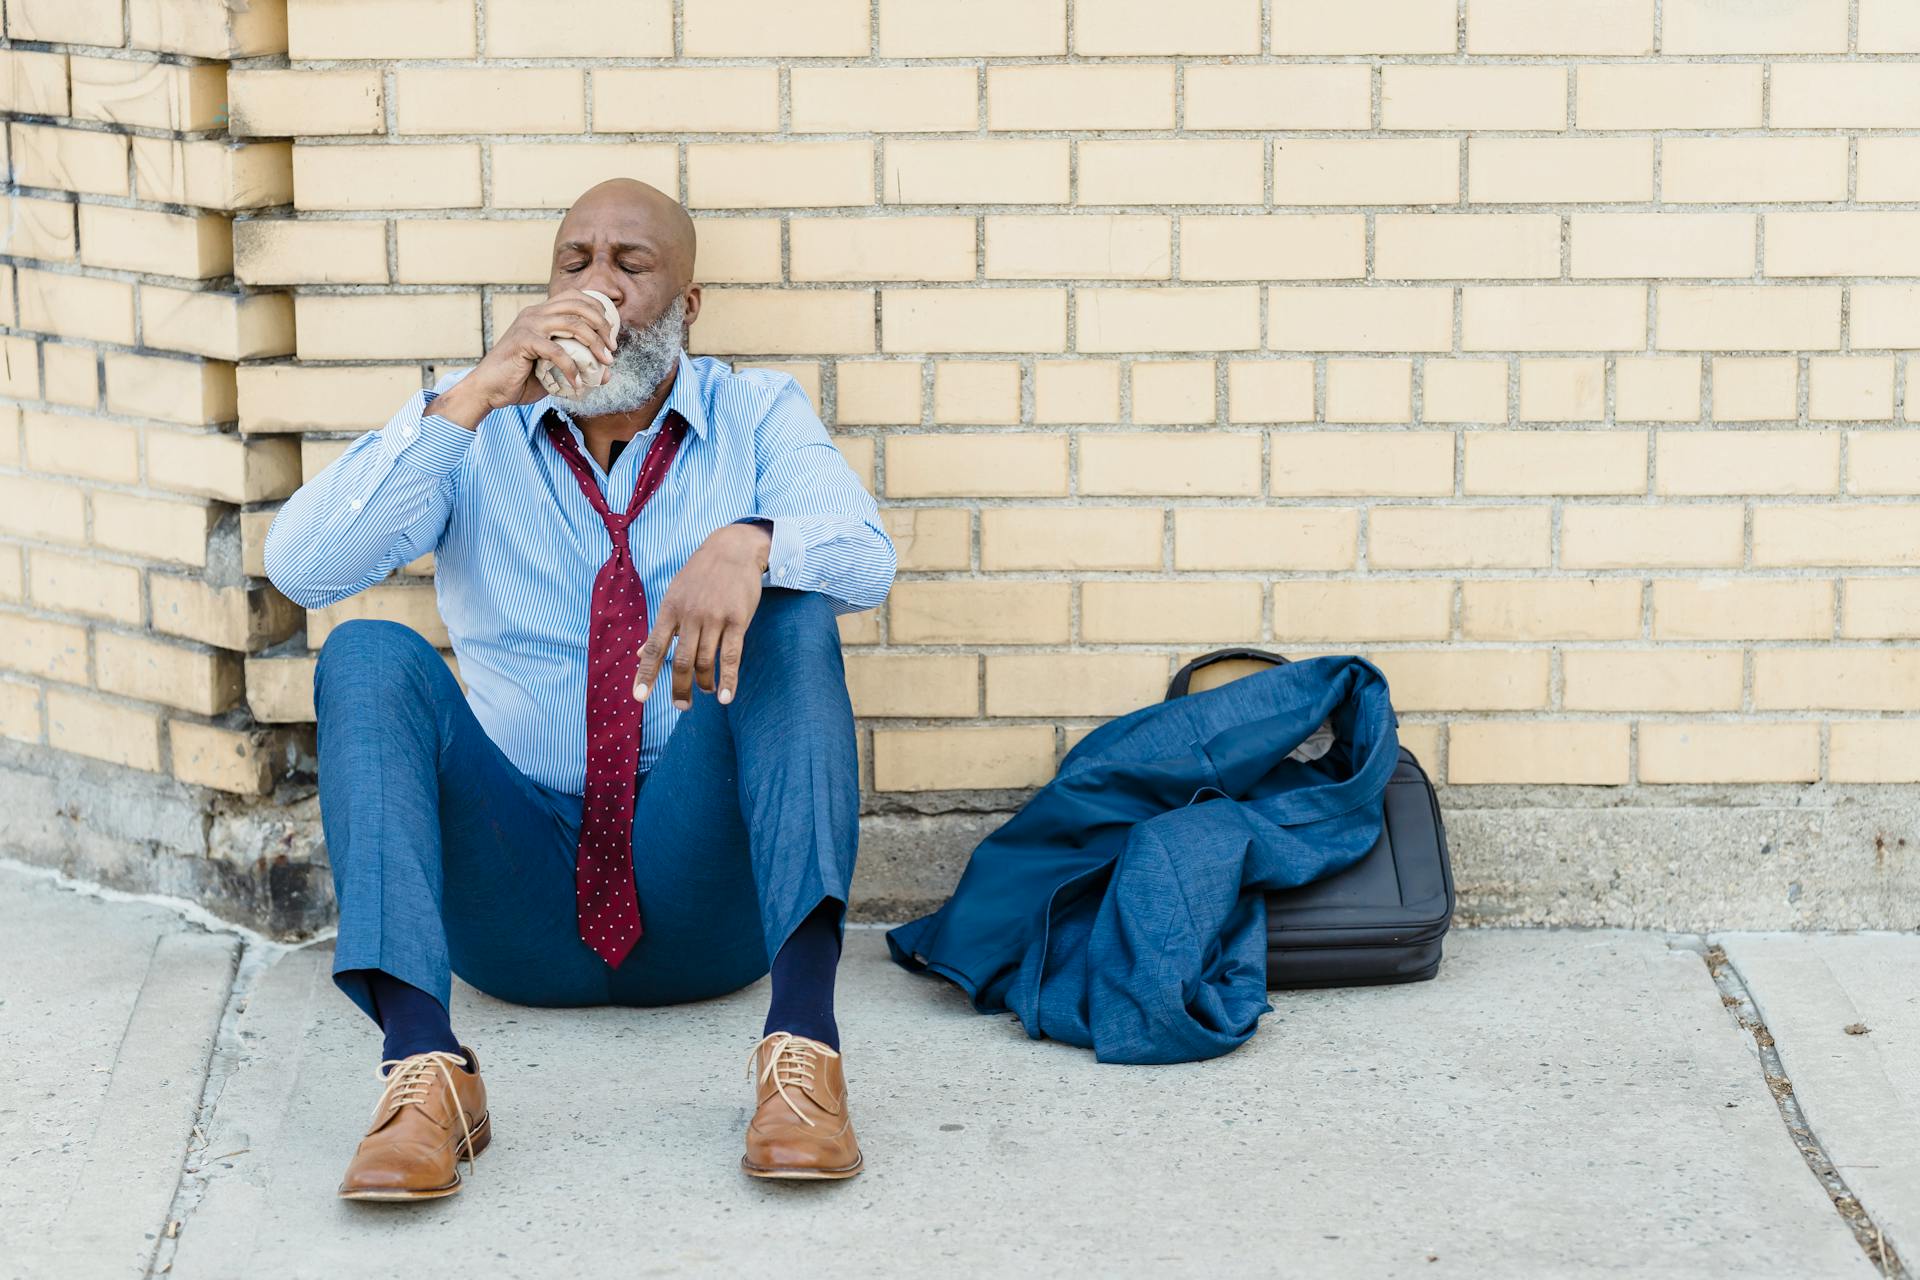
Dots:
pixel 760 1171
pixel 482 1136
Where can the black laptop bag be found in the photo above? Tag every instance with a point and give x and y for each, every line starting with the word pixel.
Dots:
pixel 1382 919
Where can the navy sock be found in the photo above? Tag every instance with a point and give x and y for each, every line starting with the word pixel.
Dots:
pixel 803 977
pixel 414 1022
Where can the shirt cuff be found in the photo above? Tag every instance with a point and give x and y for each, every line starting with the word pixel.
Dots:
pixel 428 442
pixel 786 556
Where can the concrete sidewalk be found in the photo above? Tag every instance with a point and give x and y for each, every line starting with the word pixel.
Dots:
pixel 1555 1103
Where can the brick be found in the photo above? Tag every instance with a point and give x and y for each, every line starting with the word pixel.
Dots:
pixel 82 160
pixel 194 246
pixel 13 578
pixel 173 675
pixel 72 584
pixel 596 28
pixel 1353 463
pixel 223 466
pixel 959 611
pixel 986 171
pixel 550 175
pixel 193 392
pixel 1466 680
pixel 1570 390
pixel 1173 391
pixel 1270 391
pixel 280 690
pixel 1629 537
pixel 900 684
pixel 1182 170
pixel 1842 244
pixel 1657 389
pixel 1886 169
pixel 962 758
pixel 240 761
pixel 930 538
pixel 1559 170
pixel 1748 317
pixel 883 99
pixel 490 100
pixel 738 250
pixel 1883 462
pixel 74 306
pixel 1421 246
pixel 1844 95
pixel 686 99
pixel 95 22
pixel 985 28
pixel 289 398
pixel 1651 680
pixel 1091 246
pixel 1888 26
pixel 207 28
pixel 763 175
pixel 1070 538
pixel 1850 388
pixel 1473 97
pixel 157 95
pixel 221 326
pixel 42 509
pixel 1798 26
pixel 1742 609
pixel 1345 610
pixel 1296 538
pixel 1753 390
pixel 1880 609
pixel 1187 464
pixel 317 455
pixel 886 391
pixel 1076 391
pixel 1801 680
pixel 1538 752
pixel 1082 96
pixel 1364 26
pixel 1170 612
pixel 1670 96
pixel 915 248
pixel 85 447
pixel 238 618
pixel 19 711
pixel 976 391
pixel 1570 318
pixel 212 173
pixel 1835 534
pixel 786 322
pixel 155 528
pixel 1124 27
pixel 1554 463
pixel 1366 171
pixel 1706 463
pixel 985 320
pixel 104 730
pixel 286 104
pixel 9 315
pixel 1079 684
pixel 71 374
pixel 1406 537
pixel 409 603
pixel 1464 391
pixel 1306 246
pixel 35 83
pixel 35 228
pixel 372 326
pixel 253 537
pixel 1874 750
pixel 54 650
pixel 19 368
pixel 1753 170
pixel 269 251
pixel 473 252
pixel 382 29
pixel 430 176
pixel 1223 318
pixel 1524 27
pixel 1250 96
pixel 1550 609
pixel 771 28
pixel 1369 390
pixel 976 464
pixel 1716 751
pixel 1885 315
pixel 1626 245
pixel 1346 319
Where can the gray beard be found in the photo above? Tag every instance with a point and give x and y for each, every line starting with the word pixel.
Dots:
pixel 641 360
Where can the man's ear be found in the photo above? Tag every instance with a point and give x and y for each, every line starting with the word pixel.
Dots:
pixel 693 303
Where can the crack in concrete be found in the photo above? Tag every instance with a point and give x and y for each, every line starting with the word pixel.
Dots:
pixel 1740 1006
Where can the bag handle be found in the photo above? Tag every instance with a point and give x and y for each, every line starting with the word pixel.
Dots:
pixel 1184 676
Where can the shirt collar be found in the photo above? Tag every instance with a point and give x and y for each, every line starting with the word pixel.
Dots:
pixel 685 397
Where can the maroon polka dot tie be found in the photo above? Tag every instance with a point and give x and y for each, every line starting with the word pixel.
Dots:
pixel 609 911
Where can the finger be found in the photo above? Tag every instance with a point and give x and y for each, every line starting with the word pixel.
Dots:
pixel 587 336
pixel 653 651
pixel 683 665
pixel 730 647
pixel 579 306
pixel 563 365
pixel 704 656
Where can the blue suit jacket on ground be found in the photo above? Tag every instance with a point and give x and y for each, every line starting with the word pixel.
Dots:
pixel 1122 909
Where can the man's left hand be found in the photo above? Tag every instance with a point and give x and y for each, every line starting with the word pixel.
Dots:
pixel 708 606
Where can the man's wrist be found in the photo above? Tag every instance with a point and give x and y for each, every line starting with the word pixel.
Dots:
pixel 460 405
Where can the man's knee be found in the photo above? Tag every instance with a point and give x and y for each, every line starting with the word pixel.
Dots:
pixel 796 622
pixel 371 656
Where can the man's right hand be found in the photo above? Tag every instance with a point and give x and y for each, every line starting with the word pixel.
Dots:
pixel 505 376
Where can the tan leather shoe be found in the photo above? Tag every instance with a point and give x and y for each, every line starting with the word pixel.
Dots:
pixel 800 1126
pixel 432 1114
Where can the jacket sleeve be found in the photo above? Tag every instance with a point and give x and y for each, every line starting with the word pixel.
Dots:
pixel 382 503
pixel 827 535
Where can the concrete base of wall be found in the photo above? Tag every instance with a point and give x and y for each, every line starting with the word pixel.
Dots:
pixel 1675 858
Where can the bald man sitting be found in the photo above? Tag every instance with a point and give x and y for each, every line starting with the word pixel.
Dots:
pixel 648 793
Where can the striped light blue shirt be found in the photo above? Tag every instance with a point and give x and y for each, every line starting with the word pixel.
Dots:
pixel 517 544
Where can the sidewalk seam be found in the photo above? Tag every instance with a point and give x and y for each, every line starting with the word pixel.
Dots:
pixel 1741 1007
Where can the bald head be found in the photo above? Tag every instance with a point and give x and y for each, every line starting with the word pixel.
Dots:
pixel 632 242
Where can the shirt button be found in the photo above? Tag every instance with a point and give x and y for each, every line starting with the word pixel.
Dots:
pixel 410 432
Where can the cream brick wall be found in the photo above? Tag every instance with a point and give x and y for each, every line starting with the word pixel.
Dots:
pixel 1554 357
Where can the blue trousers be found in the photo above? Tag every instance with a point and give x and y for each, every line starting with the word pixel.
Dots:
pixel 447 859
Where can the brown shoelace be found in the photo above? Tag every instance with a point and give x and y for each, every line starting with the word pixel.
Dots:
pixel 790 1063
pixel 413 1076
